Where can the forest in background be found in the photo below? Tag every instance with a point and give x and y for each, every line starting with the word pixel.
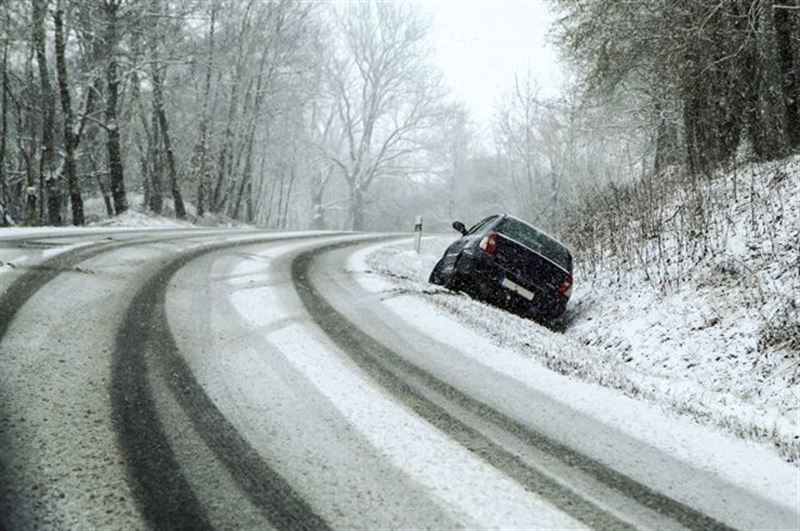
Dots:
pixel 330 115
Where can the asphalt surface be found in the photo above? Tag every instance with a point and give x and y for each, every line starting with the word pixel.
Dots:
pixel 236 379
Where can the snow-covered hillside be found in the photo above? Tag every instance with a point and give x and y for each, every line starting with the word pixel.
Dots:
pixel 720 344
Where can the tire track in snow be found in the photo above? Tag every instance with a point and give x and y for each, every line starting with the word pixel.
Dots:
pixel 166 498
pixel 38 275
pixel 34 279
pixel 414 387
pixel 25 286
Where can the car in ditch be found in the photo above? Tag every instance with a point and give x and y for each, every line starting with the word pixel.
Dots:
pixel 510 263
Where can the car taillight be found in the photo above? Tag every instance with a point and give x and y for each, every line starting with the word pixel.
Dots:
pixel 489 243
pixel 566 288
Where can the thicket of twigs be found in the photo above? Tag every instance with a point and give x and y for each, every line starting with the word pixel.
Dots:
pixel 735 229
pixel 714 203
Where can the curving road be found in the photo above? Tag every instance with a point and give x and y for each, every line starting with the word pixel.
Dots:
pixel 237 379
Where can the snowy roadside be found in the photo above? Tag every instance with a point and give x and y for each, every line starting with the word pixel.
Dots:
pixel 126 222
pixel 13 258
pixel 137 217
pixel 134 219
pixel 620 344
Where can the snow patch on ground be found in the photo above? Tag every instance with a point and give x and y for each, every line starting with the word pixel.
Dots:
pixel 133 218
pixel 136 216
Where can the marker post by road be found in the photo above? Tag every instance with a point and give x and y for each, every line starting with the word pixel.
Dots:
pixel 417 233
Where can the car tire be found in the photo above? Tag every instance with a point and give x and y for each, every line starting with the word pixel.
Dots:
pixel 455 282
pixel 436 274
pixel 550 314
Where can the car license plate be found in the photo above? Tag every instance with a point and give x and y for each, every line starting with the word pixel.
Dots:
pixel 513 286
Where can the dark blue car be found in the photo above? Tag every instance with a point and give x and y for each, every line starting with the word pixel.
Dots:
pixel 510 263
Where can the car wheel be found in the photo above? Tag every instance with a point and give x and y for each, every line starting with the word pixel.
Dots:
pixel 550 315
pixel 436 275
pixel 455 282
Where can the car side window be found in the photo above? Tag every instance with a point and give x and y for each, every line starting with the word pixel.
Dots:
pixel 481 224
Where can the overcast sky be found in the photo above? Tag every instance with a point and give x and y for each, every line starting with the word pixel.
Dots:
pixel 480 44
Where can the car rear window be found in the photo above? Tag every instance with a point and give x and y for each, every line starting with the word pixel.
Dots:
pixel 538 241
pixel 481 224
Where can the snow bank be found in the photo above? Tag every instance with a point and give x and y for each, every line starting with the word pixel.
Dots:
pixel 137 216
pixel 94 208
pixel 134 219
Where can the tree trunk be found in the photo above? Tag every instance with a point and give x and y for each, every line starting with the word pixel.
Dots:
pixel 4 199
pixel 47 163
pixel 773 109
pixel 156 183
pixel 106 193
pixel 145 150
pixel 115 169
pixel 224 161
pixel 236 154
pixel 201 192
pixel 102 185
pixel 271 199
pixel 317 211
pixel 357 207
pixel 158 103
pixel 240 192
pixel 247 173
pixel 66 105
pixel 249 202
pixel 203 180
pixel 32 196
pixel 279 188
pixel 789 61
pixel 285 217
pixel 148 150
pixel 144 168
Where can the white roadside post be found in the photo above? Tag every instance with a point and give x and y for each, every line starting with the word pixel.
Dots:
pixel 417 233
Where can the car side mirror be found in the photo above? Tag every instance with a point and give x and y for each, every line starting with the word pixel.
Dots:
pixel 460 227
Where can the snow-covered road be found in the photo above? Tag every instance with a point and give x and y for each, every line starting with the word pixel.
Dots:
pixel 238 379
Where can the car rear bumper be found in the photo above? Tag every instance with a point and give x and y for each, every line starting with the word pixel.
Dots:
pixel 482 276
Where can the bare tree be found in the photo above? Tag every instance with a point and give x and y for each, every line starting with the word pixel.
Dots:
pixel 386 95
pixel 115 167
pixel 70 140
pixel 163 125
pixel 4 192
pixel 322 132
pixel 517 134
pixel 201 156
pixel 266 68
pixel 225 158
pixel 723 72
pixel 47 169
pixel 459 139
